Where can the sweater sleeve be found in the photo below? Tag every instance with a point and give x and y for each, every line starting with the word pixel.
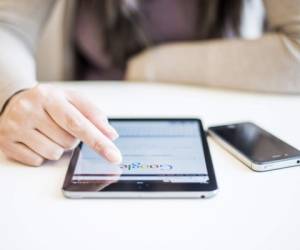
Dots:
pixel 20 25
pixel 270 63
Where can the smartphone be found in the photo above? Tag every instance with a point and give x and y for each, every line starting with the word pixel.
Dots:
pixel 254 146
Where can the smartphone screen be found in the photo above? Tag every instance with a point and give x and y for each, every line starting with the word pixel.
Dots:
pixel 254 142
pixel 167 151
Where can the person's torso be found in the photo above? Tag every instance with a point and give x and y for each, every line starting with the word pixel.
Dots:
pixel 163 21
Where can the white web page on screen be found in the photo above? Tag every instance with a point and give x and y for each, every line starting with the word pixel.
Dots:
pixel 169 151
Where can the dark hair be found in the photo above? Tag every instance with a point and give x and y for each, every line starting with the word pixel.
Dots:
pixel 124 37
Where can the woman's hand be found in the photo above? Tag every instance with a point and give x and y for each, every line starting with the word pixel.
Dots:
pixel 41 123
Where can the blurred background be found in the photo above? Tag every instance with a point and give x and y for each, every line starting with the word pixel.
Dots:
pixel 53 47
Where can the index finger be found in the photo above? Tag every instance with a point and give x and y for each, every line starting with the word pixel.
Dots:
pixel 92 113
pixel 74 122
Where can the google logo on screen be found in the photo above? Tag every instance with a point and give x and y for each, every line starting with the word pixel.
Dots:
pixel 141 166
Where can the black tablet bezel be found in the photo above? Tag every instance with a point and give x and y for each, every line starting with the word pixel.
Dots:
pixel 145 186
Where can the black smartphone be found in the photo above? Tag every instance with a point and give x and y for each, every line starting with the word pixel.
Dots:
pixel 257 148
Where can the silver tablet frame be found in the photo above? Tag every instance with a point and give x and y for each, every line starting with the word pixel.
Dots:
pixel 141 194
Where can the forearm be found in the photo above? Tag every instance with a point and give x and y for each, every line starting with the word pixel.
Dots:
pixel 21 23
pixel 271 64
pixel 17 66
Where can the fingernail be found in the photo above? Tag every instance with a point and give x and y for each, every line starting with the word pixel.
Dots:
pixel 113 155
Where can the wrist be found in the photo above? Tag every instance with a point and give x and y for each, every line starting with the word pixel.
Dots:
pixel 8 100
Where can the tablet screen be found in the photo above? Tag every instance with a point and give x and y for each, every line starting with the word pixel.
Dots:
pixel 167 151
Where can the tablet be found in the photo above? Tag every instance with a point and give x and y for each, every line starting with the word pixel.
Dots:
pixel 162 158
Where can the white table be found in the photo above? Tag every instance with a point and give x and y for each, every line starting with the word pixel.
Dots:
pixel 251 211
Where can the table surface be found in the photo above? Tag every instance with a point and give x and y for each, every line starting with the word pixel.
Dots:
pixel 251 211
